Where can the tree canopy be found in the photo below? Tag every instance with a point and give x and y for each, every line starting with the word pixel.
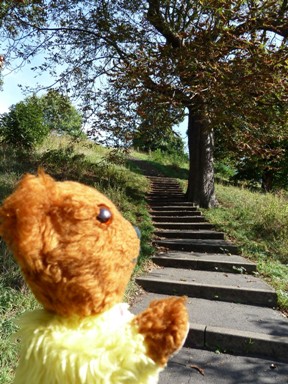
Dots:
pixel 60 115
pixel 224 61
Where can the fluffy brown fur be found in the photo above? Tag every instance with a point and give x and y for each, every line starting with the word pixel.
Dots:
pixel 77 265
pixel 73 263
pixel 164 324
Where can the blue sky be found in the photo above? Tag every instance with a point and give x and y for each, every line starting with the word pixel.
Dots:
pixel 11 92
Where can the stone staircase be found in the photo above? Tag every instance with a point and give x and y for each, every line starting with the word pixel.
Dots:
pixel 231 309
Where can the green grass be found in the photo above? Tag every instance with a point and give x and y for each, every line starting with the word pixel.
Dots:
pixel 172 165
pixel 15 299
pixel 259 224
pixel 80 161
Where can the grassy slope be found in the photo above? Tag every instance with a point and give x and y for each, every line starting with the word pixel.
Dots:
pixel 259 223
pixel 84 162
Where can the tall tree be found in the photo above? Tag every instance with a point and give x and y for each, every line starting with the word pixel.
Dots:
pixel 60 115
pixel 224 61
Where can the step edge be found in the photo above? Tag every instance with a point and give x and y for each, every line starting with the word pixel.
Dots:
pixel 178 241
pixel 201 285
pixel 203 261
pixel 237 341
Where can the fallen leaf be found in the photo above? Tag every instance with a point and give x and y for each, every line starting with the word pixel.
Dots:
pixel 200 370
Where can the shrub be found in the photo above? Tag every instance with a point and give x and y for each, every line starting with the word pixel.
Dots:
pixel 23 126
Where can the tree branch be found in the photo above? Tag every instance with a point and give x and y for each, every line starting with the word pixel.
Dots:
pixel 110 41
pixel 155 18
pixel 268 25
pixel 168 91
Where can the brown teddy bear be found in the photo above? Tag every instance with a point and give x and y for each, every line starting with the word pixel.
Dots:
pixel 77 254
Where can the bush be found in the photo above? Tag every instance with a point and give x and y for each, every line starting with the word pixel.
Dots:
pixel 224 171
pixel 23 126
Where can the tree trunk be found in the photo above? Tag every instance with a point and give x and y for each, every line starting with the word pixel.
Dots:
pixel 267 180
pixel 201 173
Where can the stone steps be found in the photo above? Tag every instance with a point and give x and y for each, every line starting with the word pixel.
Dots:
pixel 205 262
pixel 189 234
pixel 237 288
pixel 165 200
pixel 198 245
pixel 182 226
pixel 178 219
pixel 230 308
pixel 174 209
pixel 165 213
pixel 166 194
pixel 172 204
pixel 233 328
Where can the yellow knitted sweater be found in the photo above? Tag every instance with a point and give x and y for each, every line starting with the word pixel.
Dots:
pixel 102 349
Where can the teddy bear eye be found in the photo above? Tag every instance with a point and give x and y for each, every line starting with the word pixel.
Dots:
pixel 104 215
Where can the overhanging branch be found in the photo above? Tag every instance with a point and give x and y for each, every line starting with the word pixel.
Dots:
pixel 155 18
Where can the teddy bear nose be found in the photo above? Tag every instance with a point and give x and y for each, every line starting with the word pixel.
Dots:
pixel 137 230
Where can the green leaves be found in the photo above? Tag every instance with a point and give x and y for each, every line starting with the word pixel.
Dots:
pixel 29 122
pixel 60 115
pixel 23 126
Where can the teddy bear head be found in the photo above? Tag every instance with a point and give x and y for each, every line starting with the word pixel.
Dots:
pixel 75 249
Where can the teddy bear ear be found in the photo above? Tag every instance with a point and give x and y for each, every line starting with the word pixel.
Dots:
pixel 22 214
pixel 47 180
pixel 30 193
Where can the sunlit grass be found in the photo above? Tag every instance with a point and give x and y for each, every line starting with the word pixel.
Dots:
pixel 259 224
pixel 171 165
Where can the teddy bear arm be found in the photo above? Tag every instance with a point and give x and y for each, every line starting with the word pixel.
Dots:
pixel 164 325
